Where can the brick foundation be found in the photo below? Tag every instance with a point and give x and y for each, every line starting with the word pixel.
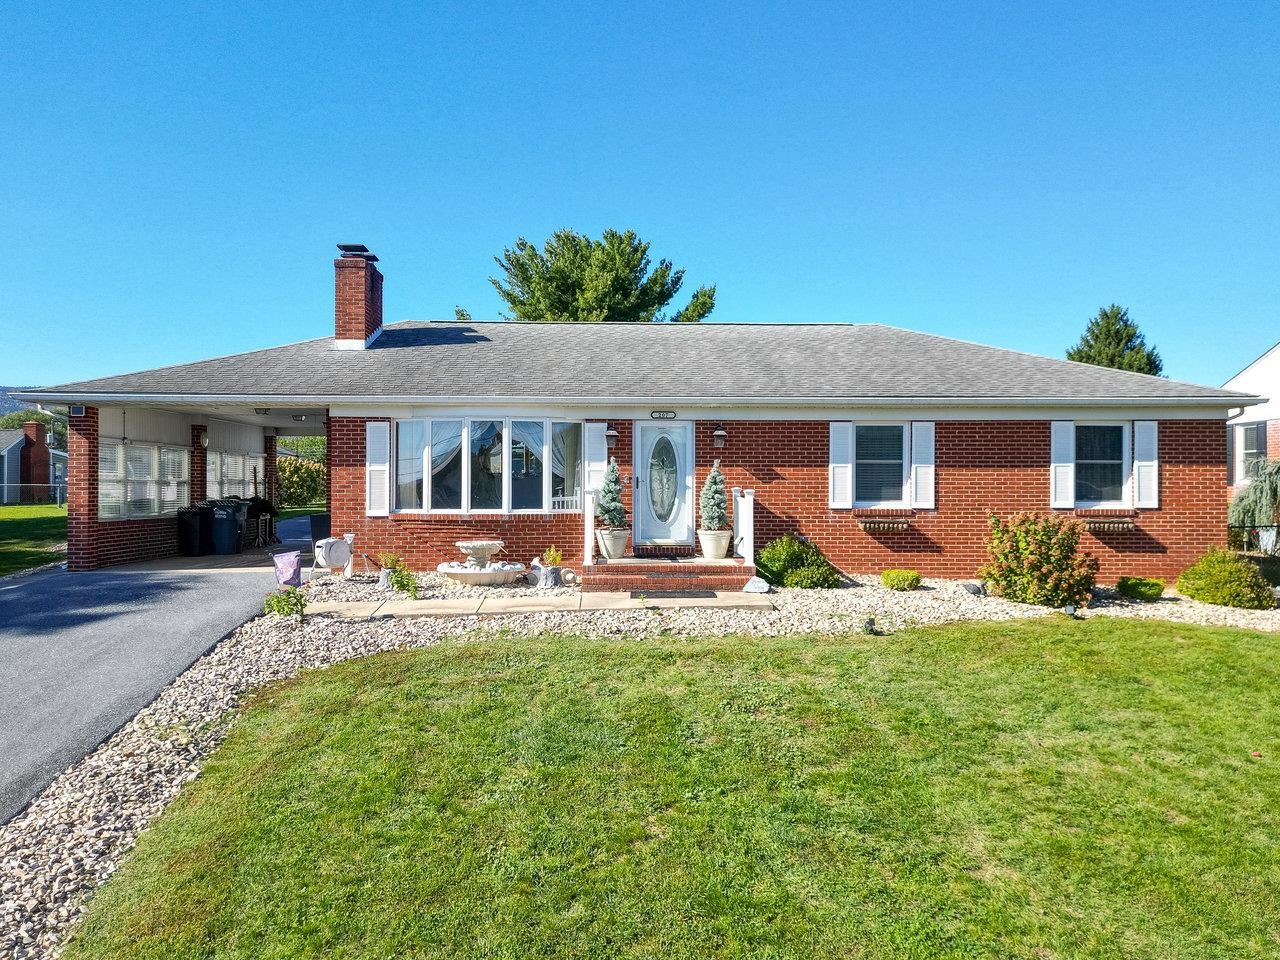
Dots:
pixel 983 467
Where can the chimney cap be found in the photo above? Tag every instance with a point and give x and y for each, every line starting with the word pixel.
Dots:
pixel 356 251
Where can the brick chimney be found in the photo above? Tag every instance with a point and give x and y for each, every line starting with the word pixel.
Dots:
pixel 35 432
pixel 33 465
pixel 357 317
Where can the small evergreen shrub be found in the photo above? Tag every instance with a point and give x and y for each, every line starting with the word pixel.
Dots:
pixel 552 557
pixel 1140 588
pixel 389 561
pixel 1037 559
pixel 812 578
pixel 1223 578
pixel 900 579
pixel 609 508
pixel 713 503
pixel 289 602
pixel 792 562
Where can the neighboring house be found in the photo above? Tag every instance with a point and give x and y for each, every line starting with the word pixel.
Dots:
pixel 30 472
pixel 886 447
pixel 1253 435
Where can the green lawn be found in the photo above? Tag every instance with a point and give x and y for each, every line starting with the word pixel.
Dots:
pixel 1041 789
pixel 287 513
pixel 27 533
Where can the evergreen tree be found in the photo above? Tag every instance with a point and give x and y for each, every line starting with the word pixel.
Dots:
pixel 1113 340
pixel 609 507
pixel 461 315
pixel 582 280
pixel 713 502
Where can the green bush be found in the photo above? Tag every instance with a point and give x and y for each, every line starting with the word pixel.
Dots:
pixel 900 579
pixel 1037 559
pixel 1140 588
pixel 713 504
pixel 301 481
pixel 780 557
pixel 609 508
pixel 403 581
pixel 289 602
pixel 822 577
pixel 1223 578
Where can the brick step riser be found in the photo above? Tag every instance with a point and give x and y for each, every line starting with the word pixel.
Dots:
pixel 641 584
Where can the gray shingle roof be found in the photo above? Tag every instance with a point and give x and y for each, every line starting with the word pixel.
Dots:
pixel 648 362
pixel 8 438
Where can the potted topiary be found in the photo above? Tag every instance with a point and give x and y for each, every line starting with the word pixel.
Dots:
pixel 714 532
pixel 612 514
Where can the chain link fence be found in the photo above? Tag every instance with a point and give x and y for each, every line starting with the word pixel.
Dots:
pixel 17 494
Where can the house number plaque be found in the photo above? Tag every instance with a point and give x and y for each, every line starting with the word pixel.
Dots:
pixel 662 414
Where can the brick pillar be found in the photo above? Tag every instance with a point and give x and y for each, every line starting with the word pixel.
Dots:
pixel 199 464
pixel 82 490
pixel 273 470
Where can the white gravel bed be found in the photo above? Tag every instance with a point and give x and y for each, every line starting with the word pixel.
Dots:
pixel 73 836
pixel 431 586
pixel 1178 609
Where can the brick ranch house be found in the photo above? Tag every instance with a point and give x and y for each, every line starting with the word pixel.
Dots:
pixel 886 447
pixel 1253 436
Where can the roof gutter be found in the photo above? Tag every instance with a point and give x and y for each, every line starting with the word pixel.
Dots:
pixel 311 400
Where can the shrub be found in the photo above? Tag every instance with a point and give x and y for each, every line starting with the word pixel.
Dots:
pixel 552 557
pixel 1037 559
pixel 812 578
pixel 301 481
pixel 1140 588
pixel 289 602
pixel 403 581
pixel 609 507
pixel 1223 578
pixel 713 503
pixel 900 579
pixel 779 557
pixel 389 561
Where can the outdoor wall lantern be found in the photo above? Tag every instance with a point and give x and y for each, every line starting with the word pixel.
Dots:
pixel 719 435
pixel 204 441
pixel 610 437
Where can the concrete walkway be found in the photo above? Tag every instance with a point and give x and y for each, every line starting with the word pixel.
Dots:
pixel 393 606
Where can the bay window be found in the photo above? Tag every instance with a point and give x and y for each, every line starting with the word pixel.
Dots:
pixel 487 465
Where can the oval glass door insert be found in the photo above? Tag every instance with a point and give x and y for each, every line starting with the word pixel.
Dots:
pixel 662 480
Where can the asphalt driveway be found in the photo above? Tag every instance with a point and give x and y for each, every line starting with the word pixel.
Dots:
pixel 81 653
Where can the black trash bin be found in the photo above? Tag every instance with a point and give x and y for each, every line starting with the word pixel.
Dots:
pixel 226 528
pixel 195 531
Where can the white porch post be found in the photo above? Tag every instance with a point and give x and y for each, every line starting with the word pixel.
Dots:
pixel 588 527
pixel 744 524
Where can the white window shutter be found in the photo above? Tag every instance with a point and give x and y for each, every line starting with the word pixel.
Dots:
pixel 922 464
pixel 840 465
pixel 1146 464
pixel 377 468
pixel 596 456
pixel 1062 468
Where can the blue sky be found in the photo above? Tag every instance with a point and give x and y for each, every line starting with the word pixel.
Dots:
pixel 175 178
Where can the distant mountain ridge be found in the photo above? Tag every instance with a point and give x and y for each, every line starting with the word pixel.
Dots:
pixel 8 404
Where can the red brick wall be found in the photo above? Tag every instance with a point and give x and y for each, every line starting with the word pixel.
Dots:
pixel 199 464
pixel 93 543
pixel 33 465
pixel 357 298
pixel 982 467
pixel 272 468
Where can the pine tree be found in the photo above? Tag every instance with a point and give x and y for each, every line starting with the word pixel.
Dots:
pixel 609 507
pixel 1113 340
pixel 713 501
pixel 579 279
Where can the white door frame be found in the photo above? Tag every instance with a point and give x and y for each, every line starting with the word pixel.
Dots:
pixel 639 476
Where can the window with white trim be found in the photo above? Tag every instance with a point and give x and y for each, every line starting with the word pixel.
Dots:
pixel 229 474
pixel 879 464
pixel 142 479
pixel 1102 465
pixel 488 465
pixel 1253 449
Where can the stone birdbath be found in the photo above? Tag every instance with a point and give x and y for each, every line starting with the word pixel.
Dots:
pixel 480 570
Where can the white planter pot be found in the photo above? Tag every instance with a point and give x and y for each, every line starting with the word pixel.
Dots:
pixel 613 543
pixel 715 543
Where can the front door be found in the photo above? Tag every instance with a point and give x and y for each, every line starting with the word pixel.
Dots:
pixel 663 471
